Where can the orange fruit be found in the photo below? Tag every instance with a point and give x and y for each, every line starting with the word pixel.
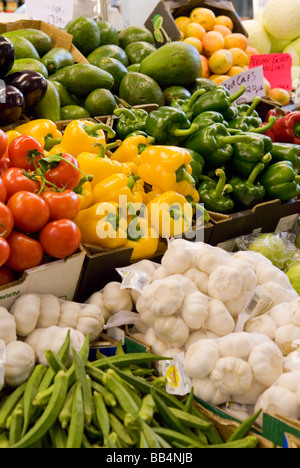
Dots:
pixel 212 41
pixel 195 30
pixel 224 20
pixel 203 16
pixel 222 29
pixel 218 79
pixel 235 71
pixel 251 51
pixel 280 95
pixel 205 73
pixel 267 85
pixel 220 62
pixel 240 58
pixel 236 40
pixel 195 42
pixel 182 22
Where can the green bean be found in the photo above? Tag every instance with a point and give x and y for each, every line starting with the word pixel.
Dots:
pixel 49 416
pixel 247 442
pixel 30 392
pixel 244 427
pixel 101 414
pixel 76 429
pixel 10 403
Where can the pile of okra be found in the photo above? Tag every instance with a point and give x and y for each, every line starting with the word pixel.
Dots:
pixel 113 402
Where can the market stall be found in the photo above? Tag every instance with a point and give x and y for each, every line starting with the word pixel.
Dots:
pixel 150 226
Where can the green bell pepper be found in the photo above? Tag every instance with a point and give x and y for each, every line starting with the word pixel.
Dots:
pixel 202 83
pixel 287 152
pixel 215 144
pixel 246 110
pixel 197 164
pixel 281 181
pixel 218 99
pixel 187 104
pixel 209 118
pixel 247 193
pixel 214 195
pixel 130 120
pixel 244 168
pixel 170 126
pixel 245 124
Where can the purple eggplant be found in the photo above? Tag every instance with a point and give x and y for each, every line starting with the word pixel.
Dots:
pixel 7 56
pixel 12 104
pixel 33 86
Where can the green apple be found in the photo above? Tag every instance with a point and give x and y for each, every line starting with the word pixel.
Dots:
pixel 271 247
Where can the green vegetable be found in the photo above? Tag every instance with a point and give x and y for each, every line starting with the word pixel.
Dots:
pixel 294 276
pixel 218 99
pixel 130 120
pixel 281 181
pixel 214 195
pixel 271 247
pixel 75 433
pixel 246 192
pixel 244 428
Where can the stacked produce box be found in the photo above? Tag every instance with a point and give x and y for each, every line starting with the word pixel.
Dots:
pixel 142 200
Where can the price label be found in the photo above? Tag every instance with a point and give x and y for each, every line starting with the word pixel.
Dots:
pixel 54 12
pixel 277 69
pixel 252 79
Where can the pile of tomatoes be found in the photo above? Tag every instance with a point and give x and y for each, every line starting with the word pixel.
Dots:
pixel 37 206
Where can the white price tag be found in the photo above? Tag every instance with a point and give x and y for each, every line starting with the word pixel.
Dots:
pixel 253 80
pixel 54 12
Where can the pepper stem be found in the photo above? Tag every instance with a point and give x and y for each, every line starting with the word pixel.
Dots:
pixel 269 125
pixel 180 132
pixel 235 96
pixel 254 174
pixel 220 187
pixel 266 158
pixel 50 142
pixel 93 130
pixel 132 181
pixel 102 150
pixel 127 112
pixel 182 174
pixel 198 207
pixel 114 144
pixel 235 139
pixel 194 98
pixel 253 106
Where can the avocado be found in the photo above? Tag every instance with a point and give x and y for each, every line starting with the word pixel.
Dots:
pixel 108 33
pixel 82 78
pixel 174 64
pixel 73 112
pixel 29 64
pixel 138 89
pixel 23 48
pixel 60 75
pixel 100 102
pixel 202 83
pixel 49 106
pixel 57 58
pixel 137 51
pixel 134 67
pixel 115 68
pixel 176 92
pixel 40 40
pixel 135 34
pixel 108 50
pixel 86 34
pixel 66 99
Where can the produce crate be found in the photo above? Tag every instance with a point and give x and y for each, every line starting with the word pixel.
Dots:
pixel 184 7
pixel 272 216
pixel 281 430
pixel 105 345
pixel 58 277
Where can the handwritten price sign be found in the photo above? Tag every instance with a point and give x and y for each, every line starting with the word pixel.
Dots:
pixel 277 69
pixel 252 79
pixel 54 12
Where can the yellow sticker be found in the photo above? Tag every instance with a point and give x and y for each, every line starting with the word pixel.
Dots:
pixel 173 377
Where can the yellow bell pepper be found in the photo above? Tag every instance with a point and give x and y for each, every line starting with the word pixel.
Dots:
pixel 83 136
pixel 11 136
pixel 142 238
pixel 85 195
pixel 170 214
pixel 131 149
pixel 103 224
pixel 168 168
pixel 100 166
pixel 118 188
pixel 43 130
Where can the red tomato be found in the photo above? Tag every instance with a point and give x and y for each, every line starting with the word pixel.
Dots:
pixel 4 165
pixel 29 210
pixel 6 220
pixel 16 181
pixel 3 143
pixel 6 276
pixel 4 251
pixel 3 191
pixel 25 252
pixel 23 151
pixel 62 204
pixel 60 238
pixel 65 175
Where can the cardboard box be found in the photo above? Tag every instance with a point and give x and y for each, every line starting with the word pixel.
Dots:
pixel 280 430
pixel 184 7
pixel 59 278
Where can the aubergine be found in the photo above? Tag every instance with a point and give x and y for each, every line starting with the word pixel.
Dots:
pixel 7 56
pixel 33 85
pixel 12 104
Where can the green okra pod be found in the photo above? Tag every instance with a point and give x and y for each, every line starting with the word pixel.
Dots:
pixel 76 428
pixel 101 414
pixel 10 403
pixel 66 412
pixel 30 392
pixel 247 442
pixel 244 428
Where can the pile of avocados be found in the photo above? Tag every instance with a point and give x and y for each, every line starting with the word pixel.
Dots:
pixel 123 65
